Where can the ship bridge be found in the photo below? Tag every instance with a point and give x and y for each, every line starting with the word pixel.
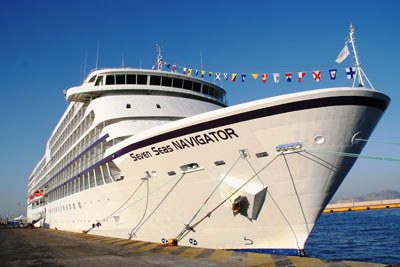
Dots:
pixel 145 82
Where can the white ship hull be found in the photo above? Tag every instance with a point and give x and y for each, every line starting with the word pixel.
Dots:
pixel 285 193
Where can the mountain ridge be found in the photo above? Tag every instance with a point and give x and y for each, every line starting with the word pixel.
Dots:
pixel 382 195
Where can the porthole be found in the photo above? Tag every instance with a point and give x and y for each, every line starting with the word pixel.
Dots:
pixel 158 106
pixel 319 139
pixel 128 105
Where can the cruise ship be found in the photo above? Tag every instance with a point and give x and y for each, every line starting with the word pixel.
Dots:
pixel 158 156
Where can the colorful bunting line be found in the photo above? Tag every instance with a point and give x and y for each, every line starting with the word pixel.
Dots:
pixel 218 76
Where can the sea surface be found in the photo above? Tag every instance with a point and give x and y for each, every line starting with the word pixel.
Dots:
pixel 369 236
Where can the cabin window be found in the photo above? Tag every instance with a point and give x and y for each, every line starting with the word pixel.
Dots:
pixel 131 79
pixel 110 79
pixel 142 79
pixel 155 80
pixel 196 87
pixel 120 79
pixel 187 84
pixel 177 83
pixel 166 81
pixel 99 81
pixel 92 79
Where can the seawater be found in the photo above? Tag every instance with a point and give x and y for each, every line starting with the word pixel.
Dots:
pixel 369 236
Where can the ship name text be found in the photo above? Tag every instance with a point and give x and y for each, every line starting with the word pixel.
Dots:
pixel 187 142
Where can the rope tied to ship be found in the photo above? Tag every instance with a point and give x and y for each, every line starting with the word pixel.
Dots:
pixel 109 216
pixel 376 141
pixel 131 234
pixel 207 199
pixel 188 229
pixel 353 155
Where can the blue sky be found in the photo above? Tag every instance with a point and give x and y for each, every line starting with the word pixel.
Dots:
pixel 43 46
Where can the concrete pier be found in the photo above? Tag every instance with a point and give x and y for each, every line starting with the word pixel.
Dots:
pixel 43 247
pixel 364 205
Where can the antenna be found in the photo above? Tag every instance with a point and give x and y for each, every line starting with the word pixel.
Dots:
pixel 97 57
pixel 159 57
pixel 122 60
pixel 359 71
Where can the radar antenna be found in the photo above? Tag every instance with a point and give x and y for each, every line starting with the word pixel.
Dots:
pixel 159 57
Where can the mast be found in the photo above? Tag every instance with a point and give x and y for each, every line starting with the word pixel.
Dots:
pixel 159 58
pixel 359 71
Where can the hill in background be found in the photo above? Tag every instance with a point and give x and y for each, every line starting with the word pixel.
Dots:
pixel 383 195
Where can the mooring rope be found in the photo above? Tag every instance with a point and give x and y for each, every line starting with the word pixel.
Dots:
pixel 191 228
pixel 376 141
pixel 208 198
pixel 109 216
pixel 353 155
pixel 159 204
pixel 131 234
pixel 297 194
pixel 140 199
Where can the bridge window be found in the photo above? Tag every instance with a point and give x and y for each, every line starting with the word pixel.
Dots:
pixel 196 87
pixel 177 83
pixel 110 79
pixel 120 79
pixel 206 89
pixel 131 79
pixel 211 92
pixel 99 81
pixel 187 84
pixel 155 80
pixel 166 81
pixel 92 79
pixel 142 79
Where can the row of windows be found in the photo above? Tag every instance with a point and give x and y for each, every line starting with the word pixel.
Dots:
pixel 103 174
pixel 77 108
pixel 89 139
pixel 160 81
pixel 63 139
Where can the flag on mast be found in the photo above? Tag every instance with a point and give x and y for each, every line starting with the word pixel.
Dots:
pixel 343 54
